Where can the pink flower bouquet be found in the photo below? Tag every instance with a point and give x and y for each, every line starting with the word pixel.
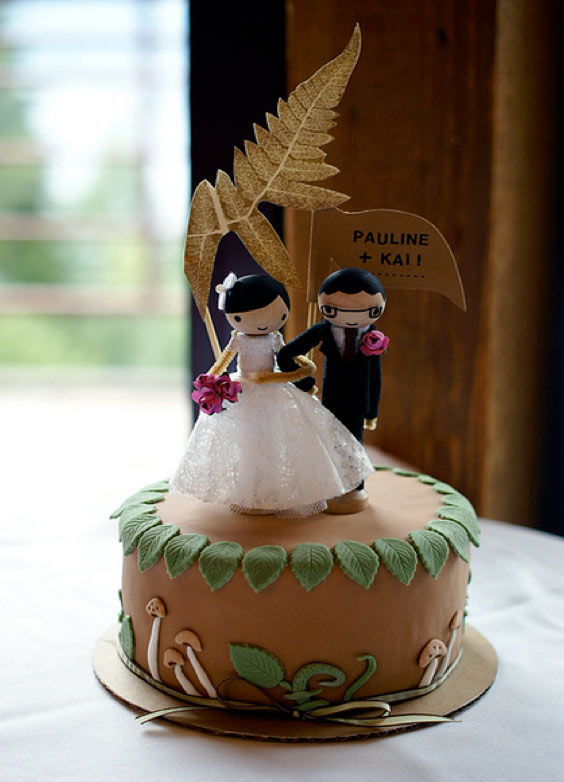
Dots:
pixel 211 391
pixel 373 343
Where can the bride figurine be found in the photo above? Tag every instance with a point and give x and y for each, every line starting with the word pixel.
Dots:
pixel 275 449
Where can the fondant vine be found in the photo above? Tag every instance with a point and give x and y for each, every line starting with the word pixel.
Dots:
pixel 264 670
pixel 369 670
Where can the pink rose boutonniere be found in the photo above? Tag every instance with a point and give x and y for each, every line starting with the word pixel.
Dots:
pixel 373 343
pixel 211 392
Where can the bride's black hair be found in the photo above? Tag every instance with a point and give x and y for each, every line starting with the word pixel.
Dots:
pixel 253 292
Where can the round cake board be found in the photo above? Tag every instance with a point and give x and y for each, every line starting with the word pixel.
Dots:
pixel 473 675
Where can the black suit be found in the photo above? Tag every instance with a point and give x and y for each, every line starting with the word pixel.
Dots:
pixel 351 391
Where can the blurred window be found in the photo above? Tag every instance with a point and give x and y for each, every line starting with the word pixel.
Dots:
pixel 93 181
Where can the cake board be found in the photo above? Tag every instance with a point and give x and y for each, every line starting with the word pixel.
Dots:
pixel 472 677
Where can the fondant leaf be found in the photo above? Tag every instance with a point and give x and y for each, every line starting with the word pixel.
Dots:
pixel 161 486
pixel 262 565
pixel 432 549
pixel 148 497
pixel 127 638
pixel 182 551
pixel 398 557
pixel 275 169
pixel 152 544
pixel 219 562
pixel 136 513
pixel 134 529
pixel 454 534
pixel 381 467
pixel 458 501
pixel 256 665
pixel 311 563
pixel 428 479
pixel 311 705
pixel 302 696
pixel 443 488
pixel 405 473
pixel 357 561
pixel 465 518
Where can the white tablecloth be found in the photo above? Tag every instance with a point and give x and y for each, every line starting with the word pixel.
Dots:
pixel 59 593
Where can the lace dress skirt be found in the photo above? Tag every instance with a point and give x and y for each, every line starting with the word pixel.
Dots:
pixel 276 448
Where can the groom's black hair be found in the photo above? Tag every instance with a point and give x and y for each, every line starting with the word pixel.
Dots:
pixel 352 280
pixel 253 292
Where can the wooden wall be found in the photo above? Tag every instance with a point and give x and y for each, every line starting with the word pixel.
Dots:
pixel 431 123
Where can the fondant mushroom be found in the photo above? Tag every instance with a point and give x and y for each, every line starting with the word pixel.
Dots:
pixel 155 608
pixel 429 658
pixel 455 626
pixel 193 645
pixel 174 659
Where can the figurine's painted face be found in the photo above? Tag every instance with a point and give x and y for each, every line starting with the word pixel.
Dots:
pixel 262 321
pixel 351 310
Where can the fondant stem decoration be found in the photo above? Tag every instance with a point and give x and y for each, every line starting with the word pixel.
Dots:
pixel 429 659
pixel 173 659
pixel 192 642
pixel 157 610
pixel 454 627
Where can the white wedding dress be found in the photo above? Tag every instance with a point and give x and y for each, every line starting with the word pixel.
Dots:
pixel 276 448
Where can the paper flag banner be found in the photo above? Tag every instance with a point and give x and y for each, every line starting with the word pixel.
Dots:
pixel 403 249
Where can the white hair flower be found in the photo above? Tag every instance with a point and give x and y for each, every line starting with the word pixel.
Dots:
pixel 222 289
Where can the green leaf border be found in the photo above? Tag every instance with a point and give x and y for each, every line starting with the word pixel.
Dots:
pixel 398 556
pixel 262 565
pixel 311 563
pixel 127 637
pixel 357 561
pixel 219 561
pixel 140 527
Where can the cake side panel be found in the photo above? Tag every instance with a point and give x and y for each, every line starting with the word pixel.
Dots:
pixel 336 622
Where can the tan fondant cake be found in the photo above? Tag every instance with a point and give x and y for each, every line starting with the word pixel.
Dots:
pixel 301 613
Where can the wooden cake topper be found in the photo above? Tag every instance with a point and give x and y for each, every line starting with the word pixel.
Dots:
pixel 404 250
pixel 275 169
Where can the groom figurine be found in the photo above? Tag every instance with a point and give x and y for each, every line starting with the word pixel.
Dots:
pixel 351 301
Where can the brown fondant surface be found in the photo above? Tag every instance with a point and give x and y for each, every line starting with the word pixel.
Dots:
pixel 336 622
pixel 397 506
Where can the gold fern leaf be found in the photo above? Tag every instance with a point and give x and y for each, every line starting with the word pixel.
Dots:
pixel 277 169
pixel 204 233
